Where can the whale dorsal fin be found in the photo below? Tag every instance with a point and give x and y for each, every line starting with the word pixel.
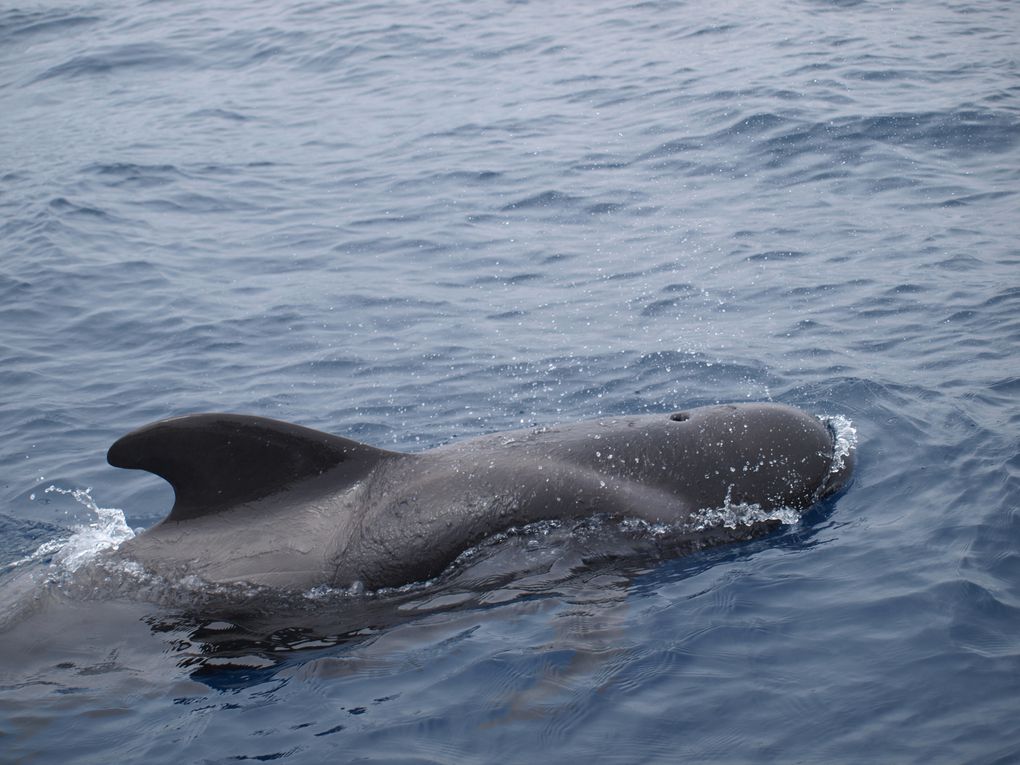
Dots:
pixel 218 461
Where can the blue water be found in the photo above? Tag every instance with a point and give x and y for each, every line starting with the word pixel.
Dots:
pixel 410 223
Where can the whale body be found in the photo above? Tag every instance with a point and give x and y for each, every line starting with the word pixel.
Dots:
pixel 272 503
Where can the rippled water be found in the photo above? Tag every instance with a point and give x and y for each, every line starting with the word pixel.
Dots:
pixel 410 223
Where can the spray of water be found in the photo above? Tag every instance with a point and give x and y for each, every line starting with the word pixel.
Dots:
pixel 106 531
pixel 844 436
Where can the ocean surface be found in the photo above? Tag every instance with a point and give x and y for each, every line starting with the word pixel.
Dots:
pixel 415 222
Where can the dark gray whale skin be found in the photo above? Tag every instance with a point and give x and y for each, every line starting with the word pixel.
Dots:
pixel 271 503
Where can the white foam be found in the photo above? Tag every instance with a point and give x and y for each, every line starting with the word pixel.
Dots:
pixel 734 515
pixel 87 541
pixel 844 436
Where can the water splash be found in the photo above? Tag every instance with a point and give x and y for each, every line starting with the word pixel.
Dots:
pixel 87 541
pixel 844 436
pixel 733 515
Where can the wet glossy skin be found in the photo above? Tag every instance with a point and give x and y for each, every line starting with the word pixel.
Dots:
pixel 273 503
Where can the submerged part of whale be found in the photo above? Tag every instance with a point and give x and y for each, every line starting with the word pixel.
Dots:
pixel 268 502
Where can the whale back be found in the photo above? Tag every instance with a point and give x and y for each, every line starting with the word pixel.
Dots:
pixel 218 461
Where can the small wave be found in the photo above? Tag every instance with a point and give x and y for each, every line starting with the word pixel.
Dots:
pixel 134 56
pixel 17 24
pixel 777 255
pixel 545 199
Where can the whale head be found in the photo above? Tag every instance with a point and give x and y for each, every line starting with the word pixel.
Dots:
pixel 763 453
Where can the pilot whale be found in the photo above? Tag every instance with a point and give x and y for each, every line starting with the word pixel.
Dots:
pixel 272 503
